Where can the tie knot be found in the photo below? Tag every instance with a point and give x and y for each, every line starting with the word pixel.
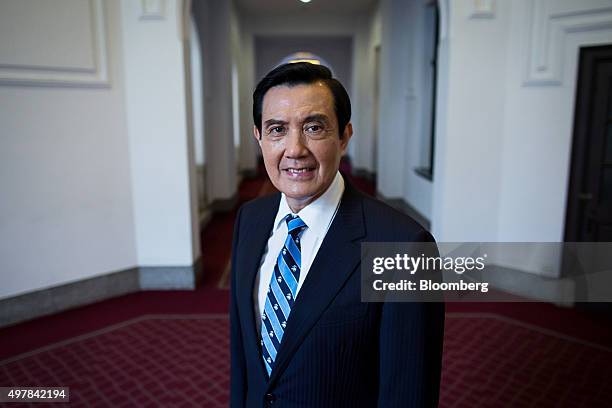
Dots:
pixel 295 225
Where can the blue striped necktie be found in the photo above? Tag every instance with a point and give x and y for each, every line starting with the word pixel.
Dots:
pixel 281 292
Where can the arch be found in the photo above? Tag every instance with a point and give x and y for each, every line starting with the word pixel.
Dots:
pixel 444 9
pixel 305 56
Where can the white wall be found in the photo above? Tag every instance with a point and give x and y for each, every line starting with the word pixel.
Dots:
pixel 196 93
pixel 66 205
pixel 248 147
pixel 243 56
pixel 367 38
pixel 213 19
pixel 503 148
pixel 394 95
pixel 507 137
pixel 297 25
pixel 197 200
pixel 404 98
pixel 417 189
pixel 539 112
pixel 96 167
pixel 197 106
pixel 466 203
pixel 159 143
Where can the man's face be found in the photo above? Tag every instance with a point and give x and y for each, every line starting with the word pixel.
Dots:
pixel 300 142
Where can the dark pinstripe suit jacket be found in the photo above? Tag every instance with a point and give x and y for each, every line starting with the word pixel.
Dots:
pixel 336 350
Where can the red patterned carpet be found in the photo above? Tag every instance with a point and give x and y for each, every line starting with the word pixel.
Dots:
pixel 153 360
pixel 494 361
pixel 170 349
pixel 183 361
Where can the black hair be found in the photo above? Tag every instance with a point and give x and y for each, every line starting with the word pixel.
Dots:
pixel 303 73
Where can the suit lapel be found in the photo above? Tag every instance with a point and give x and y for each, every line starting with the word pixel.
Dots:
pixel 254 242
pixel 336 259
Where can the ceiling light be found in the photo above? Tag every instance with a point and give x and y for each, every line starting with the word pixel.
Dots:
pixel 305 1
pixel 309 60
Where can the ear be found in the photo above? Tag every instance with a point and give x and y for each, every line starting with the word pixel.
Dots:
pixel 346 136
pixel 257 135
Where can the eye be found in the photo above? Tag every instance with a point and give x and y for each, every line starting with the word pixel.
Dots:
pixel 314 129
pixel 276 130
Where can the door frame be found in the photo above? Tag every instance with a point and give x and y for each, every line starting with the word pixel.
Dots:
pixel 588 59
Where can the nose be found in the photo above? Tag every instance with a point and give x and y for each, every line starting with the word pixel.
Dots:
pixel 295 147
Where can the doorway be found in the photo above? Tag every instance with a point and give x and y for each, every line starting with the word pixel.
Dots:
pixel 589 206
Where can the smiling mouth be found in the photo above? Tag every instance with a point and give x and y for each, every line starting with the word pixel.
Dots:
pixel 302 173
pixel 299 170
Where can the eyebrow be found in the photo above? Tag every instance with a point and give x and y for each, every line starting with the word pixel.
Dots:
pixel 311 118
pixel 274 122
pixel 317 117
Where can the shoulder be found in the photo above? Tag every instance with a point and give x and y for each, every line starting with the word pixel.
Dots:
pixel 260 205
pixel 385 223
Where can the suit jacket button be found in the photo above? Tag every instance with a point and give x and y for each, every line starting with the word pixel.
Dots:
pixel 270 398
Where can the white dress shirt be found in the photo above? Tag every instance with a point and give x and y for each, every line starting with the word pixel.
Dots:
pixel 317 216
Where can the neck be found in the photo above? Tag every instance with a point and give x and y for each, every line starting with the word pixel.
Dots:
pixel 297 205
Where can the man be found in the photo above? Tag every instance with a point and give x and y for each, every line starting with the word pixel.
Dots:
pixel 300 335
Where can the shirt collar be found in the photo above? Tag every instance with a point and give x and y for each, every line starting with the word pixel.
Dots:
pixel 318 214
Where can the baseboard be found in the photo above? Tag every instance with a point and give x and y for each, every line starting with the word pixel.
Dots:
pixel 56 299
pixel 170 277
pixel 401 205
pixel 166 277
pixel 531 286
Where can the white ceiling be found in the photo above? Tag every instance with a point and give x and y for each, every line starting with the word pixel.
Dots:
pixel 278 7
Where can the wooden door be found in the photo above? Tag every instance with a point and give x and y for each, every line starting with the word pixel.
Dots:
pixel 589 207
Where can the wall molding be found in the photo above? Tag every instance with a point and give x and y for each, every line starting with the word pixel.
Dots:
pixel 547 40
pixel 152 10
pixel 97 75
pixel 56 299
pixel 482 9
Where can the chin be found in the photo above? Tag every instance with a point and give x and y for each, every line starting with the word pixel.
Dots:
pixel 299 194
